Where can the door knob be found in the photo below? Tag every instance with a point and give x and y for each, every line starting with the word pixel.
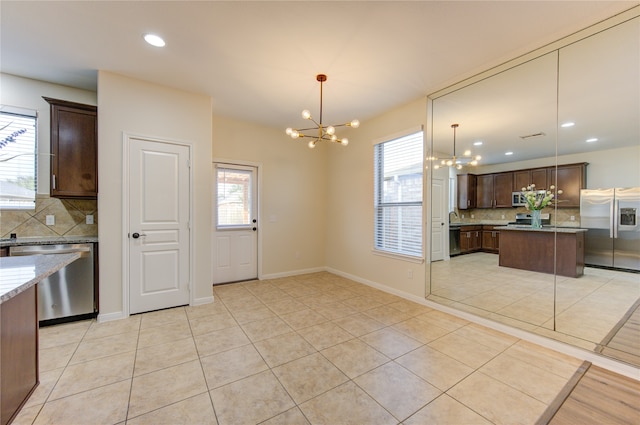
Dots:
pixel 137 235
pixel 254 229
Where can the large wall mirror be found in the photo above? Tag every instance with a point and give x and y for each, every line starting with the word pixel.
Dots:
pixel 568 117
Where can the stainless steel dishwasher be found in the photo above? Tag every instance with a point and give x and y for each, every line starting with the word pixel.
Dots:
pixel 67 294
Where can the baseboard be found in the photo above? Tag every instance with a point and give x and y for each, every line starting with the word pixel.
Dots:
pixel 108 317
pixel 201 301
pixel 377 285
pixel 292 273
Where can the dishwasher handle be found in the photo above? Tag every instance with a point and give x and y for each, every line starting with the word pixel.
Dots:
pixel 17 252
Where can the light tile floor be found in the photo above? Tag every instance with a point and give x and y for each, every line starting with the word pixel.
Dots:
pixel 586 308
pixel 317 349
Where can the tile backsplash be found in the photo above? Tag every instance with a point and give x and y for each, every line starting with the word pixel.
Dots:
pixel 69 214
pixel 560 217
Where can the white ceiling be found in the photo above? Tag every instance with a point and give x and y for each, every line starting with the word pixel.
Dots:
pixel 258 60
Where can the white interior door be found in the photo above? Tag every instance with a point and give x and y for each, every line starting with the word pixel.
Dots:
pixel 438 203
pixel 159 214
pixel 235 223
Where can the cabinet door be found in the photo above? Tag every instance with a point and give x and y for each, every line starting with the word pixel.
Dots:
pixel 484 191
pixel 74 172
pixel 477 240
pixel 465 241
pixel 502 189
pixel 570 179
pixel 522 178
pixel 539 178
pixel 466 191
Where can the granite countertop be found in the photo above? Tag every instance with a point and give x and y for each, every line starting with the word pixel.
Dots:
pixel 549 229
pixel 17 274
pixel 47 240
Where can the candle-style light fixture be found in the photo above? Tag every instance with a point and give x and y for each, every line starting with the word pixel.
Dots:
pixel 457 162
pixel 327 133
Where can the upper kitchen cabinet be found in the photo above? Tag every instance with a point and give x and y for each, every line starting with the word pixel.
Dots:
pixel 74 148
pixel 570 179
pixel 494 190
pixel 466 191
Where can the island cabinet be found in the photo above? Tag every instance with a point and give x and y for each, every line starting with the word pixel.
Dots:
pixel 570 178
pixel 550 250
pixel 74 148
pixel 494 190
pixel 470 239
pixel 18 352
pixel 466 191
pixel 490 239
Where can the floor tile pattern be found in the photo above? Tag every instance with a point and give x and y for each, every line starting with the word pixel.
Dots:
pixel 308 349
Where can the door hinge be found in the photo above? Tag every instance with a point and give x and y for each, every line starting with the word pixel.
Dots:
pixel 188 163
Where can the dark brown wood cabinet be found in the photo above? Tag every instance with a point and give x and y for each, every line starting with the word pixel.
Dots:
pixel 539 178
pixel 494 190
pixel 18 352
pixel 470 239
pixel 570 178
pixel 74 148
pixel 490 239
pixel 466 191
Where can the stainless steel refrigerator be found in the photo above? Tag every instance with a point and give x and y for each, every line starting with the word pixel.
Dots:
pixel 612 219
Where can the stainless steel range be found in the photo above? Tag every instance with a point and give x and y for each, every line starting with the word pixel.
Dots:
pixel 524 219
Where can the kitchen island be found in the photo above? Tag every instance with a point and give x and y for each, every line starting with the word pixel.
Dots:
pixel 526 248
pixel 19 326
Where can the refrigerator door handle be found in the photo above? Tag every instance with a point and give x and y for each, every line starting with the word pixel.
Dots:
pixel 615 218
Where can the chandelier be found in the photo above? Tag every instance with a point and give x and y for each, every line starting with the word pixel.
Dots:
pixel 327 133
pixel 455 161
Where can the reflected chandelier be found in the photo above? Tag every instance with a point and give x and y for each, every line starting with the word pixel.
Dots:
pixel 327 133
pixel 457 162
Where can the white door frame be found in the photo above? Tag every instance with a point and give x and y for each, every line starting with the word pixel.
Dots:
pixel 126 138
pixel 258 167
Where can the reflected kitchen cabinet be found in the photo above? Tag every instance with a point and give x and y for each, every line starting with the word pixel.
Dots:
pixel 494 190
pixel 466 191
pixel 523 178
pixel 570 179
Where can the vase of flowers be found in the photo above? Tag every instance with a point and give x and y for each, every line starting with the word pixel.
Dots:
pixel 536 200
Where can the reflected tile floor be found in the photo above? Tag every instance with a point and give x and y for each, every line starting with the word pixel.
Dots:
pixel 586 308
pixel 309 349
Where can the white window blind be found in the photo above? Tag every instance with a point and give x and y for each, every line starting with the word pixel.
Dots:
pixel 398 166
pixel 18 158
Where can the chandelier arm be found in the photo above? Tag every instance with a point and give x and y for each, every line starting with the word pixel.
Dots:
pixel 321 80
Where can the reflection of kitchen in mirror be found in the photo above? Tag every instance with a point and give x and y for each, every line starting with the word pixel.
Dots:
pixel 558 123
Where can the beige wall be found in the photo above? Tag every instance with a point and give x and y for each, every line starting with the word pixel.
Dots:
pixel 350 205
pixel 293 193
pixel 145 109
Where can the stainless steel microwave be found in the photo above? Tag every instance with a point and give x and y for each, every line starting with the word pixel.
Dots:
pixel 517 199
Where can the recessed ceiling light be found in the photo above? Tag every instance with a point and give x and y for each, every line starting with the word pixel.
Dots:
pixel 568 124
pixel 593 139
pixel 154 40
pixel 508 153
pixel 478 143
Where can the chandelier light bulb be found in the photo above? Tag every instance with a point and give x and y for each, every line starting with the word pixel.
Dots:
pixel 344 141
pixel 449 163
pixel 437 166
pixel 312 144
pixel 478 158
pixel 289 130
pixel 354 124
pixel 474 162
pixel 467 153
pixel 331 130
pixel 306 114
pixel 334 137
pixel 294 134
pixel 459 166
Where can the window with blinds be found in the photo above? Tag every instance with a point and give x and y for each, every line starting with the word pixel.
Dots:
pixel 398 165
pixel 18 158
pixel 234 197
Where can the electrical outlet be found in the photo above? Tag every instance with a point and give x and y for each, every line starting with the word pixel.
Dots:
pixel 572 218
pixel 473 216
pixel 51 220
pixel 410 273
pixel 502 216
pixel 89 219
pixel 462 216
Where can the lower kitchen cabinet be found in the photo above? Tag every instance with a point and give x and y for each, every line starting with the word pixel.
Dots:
pixel 470 238
pixel 490 239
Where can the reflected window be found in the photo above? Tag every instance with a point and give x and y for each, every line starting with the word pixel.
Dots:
pixel 398 169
